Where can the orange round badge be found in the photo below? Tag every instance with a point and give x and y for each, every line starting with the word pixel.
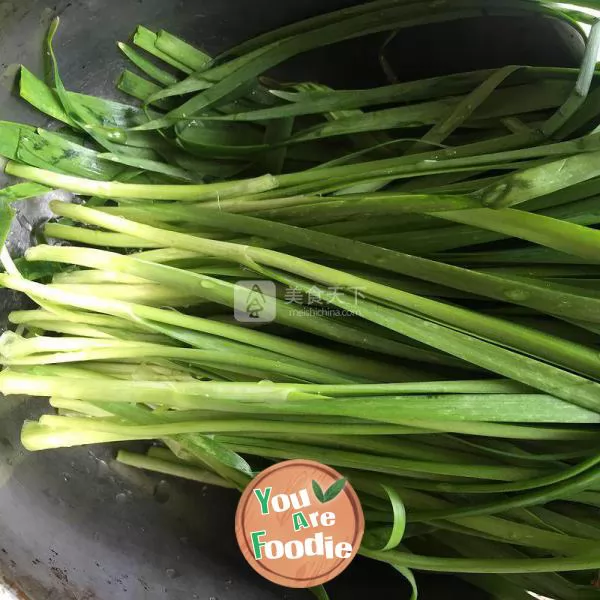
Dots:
pixel 299 523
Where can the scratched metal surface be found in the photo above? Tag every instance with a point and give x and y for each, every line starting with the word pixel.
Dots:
pixel 73 525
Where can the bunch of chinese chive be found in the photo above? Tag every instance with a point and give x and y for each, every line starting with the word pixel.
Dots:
pixel 429 255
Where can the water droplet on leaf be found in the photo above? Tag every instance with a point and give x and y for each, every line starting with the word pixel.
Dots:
pixel 517 295
pixel 117 136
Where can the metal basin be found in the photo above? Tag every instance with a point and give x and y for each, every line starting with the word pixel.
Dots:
pixel 73 525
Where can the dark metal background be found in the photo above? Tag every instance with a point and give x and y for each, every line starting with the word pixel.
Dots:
pixel 74 525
